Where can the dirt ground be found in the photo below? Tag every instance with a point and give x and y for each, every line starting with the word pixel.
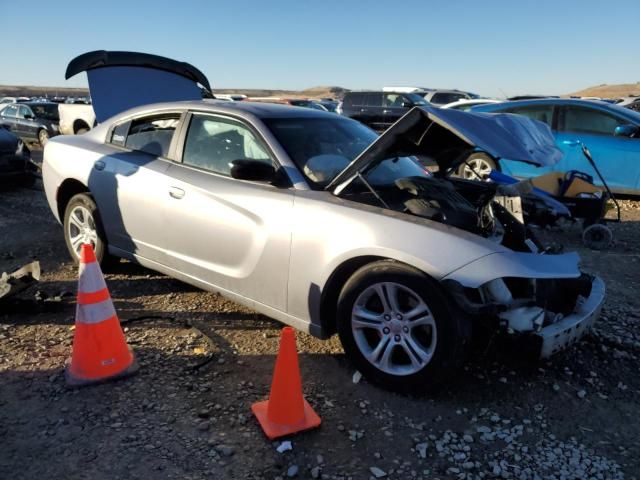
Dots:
pixel 184 417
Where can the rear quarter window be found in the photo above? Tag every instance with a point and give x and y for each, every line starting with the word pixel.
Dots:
pixel 354 99
pixel 119 134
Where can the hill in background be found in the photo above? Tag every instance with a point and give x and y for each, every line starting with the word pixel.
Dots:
pixel 314 92
pixel 610 91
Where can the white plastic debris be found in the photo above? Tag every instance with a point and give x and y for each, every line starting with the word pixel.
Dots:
pixel 357 376
pixel 284 446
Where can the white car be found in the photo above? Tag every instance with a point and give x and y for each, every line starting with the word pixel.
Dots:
pixel 466 104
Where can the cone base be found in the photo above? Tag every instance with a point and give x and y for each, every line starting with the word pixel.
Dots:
pixel 276 430
pixel 74 381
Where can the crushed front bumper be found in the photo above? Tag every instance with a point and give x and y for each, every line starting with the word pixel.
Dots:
pixel 571 328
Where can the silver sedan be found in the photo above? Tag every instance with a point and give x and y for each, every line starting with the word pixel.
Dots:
pixel 313 220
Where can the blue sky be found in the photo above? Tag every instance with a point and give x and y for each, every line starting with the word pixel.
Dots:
pixel 489 47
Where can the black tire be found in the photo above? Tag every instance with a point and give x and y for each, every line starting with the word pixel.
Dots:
pixel 43 137
pixel 85 201
pixel 28 180
pixel 480 158
pixel 453 332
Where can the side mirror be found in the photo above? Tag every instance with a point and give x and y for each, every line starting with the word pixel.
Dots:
pixel 407 104
pixel 626 131
pixel 28 116
pixel 254 170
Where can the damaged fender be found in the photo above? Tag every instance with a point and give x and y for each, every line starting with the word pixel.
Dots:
pixel 516 264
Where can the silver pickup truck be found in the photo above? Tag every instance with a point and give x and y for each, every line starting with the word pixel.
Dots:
pixel 76 118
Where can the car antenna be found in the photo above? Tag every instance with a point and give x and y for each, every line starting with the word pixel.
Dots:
pixel 375 194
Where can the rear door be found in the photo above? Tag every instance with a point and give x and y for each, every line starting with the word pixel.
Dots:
pixel 617 158
pixel 374 111
pixel 27 122
pixel 8 117
pixel 232 234
pixel 130 185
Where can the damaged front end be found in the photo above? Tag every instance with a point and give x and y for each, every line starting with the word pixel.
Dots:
pixel 523 288
pixel 553 312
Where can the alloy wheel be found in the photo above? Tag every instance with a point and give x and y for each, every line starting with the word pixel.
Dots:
pixel 394 328
pixel 82 229
pixel 476 169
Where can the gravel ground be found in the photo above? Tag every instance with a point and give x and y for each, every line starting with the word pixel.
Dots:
pixel 204 360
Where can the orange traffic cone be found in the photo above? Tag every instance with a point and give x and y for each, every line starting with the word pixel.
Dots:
pixel 286 411
pixel 100 351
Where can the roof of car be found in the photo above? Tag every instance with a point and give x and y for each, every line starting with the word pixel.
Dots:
pixel 255 109
pixel 491 107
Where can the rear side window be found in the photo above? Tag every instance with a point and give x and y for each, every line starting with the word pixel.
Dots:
pixel 444 98
pixel 542 113
pixel 588 120
pixel 374 99
pixel 152 134
pixel 119 134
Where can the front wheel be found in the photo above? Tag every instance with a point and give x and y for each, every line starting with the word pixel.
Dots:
pixel 396 327
pixel 82 224
pixel 43 137
pixel 477 167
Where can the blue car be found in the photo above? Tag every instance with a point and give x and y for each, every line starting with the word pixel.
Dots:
pixel 610 132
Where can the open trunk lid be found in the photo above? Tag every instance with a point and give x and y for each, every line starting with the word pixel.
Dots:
pixel 119 81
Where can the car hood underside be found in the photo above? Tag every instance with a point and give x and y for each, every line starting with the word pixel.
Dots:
pixel 449 136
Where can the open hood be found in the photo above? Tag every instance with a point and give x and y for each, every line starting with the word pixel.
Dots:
pixel 119 81
pixel 448 137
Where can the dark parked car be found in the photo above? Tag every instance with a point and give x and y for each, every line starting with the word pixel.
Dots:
pixel 15 159
pixel 32 121
pixel 379 110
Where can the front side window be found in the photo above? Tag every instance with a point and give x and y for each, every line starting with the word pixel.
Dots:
pixel 214 142
pixel 23 112
pixel 152 134
pixel 393 100
pixel 48 111
pixel 586 120
pixel 542 113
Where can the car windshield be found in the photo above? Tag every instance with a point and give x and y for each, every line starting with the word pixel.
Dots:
pixel 416 99
pixel 50 112
pixel 323 147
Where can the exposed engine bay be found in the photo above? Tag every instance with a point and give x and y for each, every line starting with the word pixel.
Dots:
pixel 486 209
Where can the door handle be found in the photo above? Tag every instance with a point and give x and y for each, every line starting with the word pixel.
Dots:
pixel 176 192
pixel 386 111
pixel 99 165
pixel 571 143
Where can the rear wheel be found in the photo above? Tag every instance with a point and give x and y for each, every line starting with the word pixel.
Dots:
pixel 396 327
pixel 477 167
pixel 43 137
pixel 82 224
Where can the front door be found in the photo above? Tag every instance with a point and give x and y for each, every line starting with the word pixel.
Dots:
pixel 617 158
pixel 233 234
